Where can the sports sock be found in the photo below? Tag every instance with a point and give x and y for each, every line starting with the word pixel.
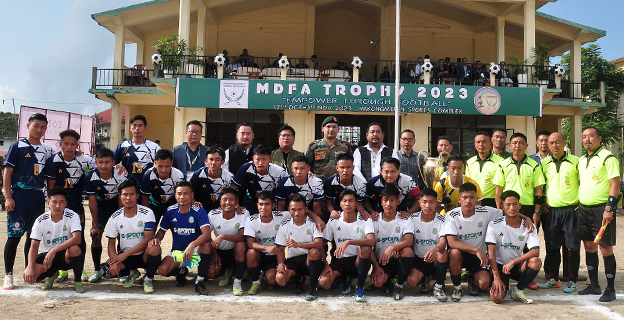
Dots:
pixel 609 262
pixel 456 279
pixel 10 251
pixel 77 264
pixel 204 264
pixel 338 282
pixel 592 268
pixel 315 267
pixel 199 279
pixel 363 267
pixel 240 266
pixel 151 265
pixel 527 276
pixel 96 255
pixel 405 267
pixel 294 279
pixel 27 248
pixel 575 261
pixel 254 273
pixel 441 268
pixel 174 272
pixel 553 258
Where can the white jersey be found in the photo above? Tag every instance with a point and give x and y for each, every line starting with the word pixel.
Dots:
pixel 510 241
pixel 220 225
pixel 304 233
pixel 131 231
pixel 265 233
pixel 426 234
pixel 51 234
pixel 341 231
pixel 389 233
pixel 470 231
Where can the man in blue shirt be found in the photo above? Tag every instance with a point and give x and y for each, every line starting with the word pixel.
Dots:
pixel 158 183
pixel 190 155
pixel 190 229
pixel 23 188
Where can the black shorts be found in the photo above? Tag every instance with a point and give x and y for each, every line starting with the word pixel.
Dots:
pixel 227 259
pixel 515 273
pixel 528 211
pixel 134 262
pixel 427 268
pixel 29 205
pixel 559 226
pixel 345 266
pixel 104 213
pixel 472 263
pixel 391 268
pixel 490 202
pixel 58 263
pixel 298 264
pixel 267 262
pixel 589 222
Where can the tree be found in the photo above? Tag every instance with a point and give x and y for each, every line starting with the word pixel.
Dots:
pixel 8 125
pixel 594 69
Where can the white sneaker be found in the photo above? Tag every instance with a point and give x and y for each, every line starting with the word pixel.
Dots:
pixel 518 295
pixel 8 282
pixel 439 294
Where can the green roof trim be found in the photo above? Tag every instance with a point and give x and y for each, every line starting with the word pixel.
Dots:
pixel 570 103
pixel 172 81
pixel 584 28
pixel 115 12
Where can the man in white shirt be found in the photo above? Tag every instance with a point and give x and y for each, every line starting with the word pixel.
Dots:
pixel 367 159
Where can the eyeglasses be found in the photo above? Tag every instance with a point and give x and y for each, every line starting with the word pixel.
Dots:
pixel 407 139
pixel 194 132
pixel 286 136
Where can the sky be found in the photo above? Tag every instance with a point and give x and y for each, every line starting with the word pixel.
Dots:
pixel 50 47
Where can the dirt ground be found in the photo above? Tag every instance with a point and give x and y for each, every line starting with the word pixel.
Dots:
pixel 108 300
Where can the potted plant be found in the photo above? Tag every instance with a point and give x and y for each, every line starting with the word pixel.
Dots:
pixel 541 69
pixel 172 48
pixel 195 62
pixel 520 71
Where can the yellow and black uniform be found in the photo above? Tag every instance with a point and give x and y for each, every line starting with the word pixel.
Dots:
pixel 483 172
pixel 323 156
pixel 595 171
pixel 522 177
pixel 559 223
pixel 449 194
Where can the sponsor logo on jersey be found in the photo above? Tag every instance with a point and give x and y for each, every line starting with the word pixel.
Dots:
pixel 27 155
pixel 184 231
pixel 388 239
pixel 427 242
pixel 510 245
pixel 267 240
pixel 174 220
pixel 133 235
pixel 469 236
pixel 417 231
pixel 57 241
pixel 121 226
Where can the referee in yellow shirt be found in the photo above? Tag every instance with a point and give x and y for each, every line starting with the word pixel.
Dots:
pixel 482 167
pixel 522 175
pixel 598 194
pixel 559 216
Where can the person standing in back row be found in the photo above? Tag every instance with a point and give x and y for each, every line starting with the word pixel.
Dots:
pixel 322 152
pixel 367 159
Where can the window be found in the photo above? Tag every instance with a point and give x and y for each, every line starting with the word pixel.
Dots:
pixel 461 130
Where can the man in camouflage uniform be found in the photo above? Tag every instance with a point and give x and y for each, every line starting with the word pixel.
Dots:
pixel 322 152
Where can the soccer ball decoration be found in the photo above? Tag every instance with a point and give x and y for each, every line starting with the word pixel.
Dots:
pixel 283 62
pixel 427 66
pixel 357 62
pixel 559 71
pixel 157 58
pixel 494 69
pixel 219 60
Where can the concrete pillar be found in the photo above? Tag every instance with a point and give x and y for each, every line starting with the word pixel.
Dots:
pixel 576 127
pixel 119 54
pixel 419 123
pixel 310 25
pixel 575 68
pixel 201 27
pixel 530 132
pixel 115 134
pixel 477 47
pixel 184 22
pixel 500 39
pixel 211 45
pixel 140 53
pixel 179 126
pixel 529 32
pixel 304 122
pixel 128 115
pixel 384 53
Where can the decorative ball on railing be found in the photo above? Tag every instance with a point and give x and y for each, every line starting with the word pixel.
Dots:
pixel 559 71
pixel 427 66
pixel 357 62
pixel 283 63
pixel 157 58
pixel 494 69
pixel 219 60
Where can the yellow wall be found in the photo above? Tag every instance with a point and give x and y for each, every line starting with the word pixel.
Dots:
pixel 159 123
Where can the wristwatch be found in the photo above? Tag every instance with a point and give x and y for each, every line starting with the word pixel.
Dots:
pixel 608 208
pixel 538 212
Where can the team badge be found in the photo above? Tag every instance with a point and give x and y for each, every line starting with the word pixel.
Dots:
pixel 521 238
pixel 309 232
pixel 140 224
pixel 595 176
pixel 64 228
pixel 276 227
pixel 434 231
pixel 236 226
pixel 191 219
pixel 397 230
pixel 480 224
pixel 487 100
pixel 359 230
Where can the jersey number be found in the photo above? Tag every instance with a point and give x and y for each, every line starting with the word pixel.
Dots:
pixel 69 184
pixel 163 199
pixel 137 168
pixel 36 170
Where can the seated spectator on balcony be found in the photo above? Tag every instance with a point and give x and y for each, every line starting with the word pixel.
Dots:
pixel 440 72
pixel 245 53
pixel 302 64
pixel 339 65
pixel 504 76
pixel 233 65
pixel 210 71
pixel 479 74
pixel 267 63
pixel 385 75
pixel 405 78
pixel 315 63
pixel 464 72
pixel 251 63
pixel 276 62
pixel 243 59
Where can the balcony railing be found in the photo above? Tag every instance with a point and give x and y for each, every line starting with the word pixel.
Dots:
pixel 306 69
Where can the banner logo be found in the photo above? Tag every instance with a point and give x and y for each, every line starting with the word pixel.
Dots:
pixel 234 94
pixel 487 100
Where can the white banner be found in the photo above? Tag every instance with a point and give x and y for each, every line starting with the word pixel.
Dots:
pixel 234 94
